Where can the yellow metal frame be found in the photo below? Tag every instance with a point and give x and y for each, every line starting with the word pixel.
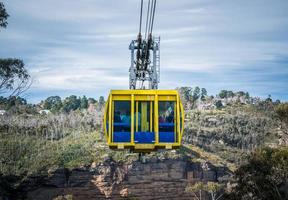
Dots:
pixel 134 96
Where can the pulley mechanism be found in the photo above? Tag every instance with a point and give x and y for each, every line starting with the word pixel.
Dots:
pixel 145 54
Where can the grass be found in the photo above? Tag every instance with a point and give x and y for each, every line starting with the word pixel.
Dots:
pixel 202 155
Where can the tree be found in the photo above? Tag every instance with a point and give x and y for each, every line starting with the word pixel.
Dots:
pixel 203 93
pixel 101 100
pixel 3 16
pixel 84 102
pixel 196 189
pixel 230 93
pixel 53 103
pixel 91 100
pixel 185 95
pixel 213 188
pixel 269 99
pixel 219 104
pixel 16 101
pixel 14 78
pixel 247 95
pixel 264 176
pixel 277 102
pixel 196 93
pixel 71 103
pixel 8 103
pixel 223 94
pixel 240 93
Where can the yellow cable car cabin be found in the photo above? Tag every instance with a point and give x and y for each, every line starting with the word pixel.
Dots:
pixel 143 120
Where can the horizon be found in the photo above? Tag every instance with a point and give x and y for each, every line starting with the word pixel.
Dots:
pixel 81 48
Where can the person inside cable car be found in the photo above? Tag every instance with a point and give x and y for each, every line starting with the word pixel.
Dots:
pixel 126 118
pixel 161 119
pixel 117 117
pixel 170 117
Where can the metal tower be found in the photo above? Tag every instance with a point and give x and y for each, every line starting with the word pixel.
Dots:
pixel 145 63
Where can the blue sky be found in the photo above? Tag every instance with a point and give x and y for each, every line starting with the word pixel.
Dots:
pixel 81 47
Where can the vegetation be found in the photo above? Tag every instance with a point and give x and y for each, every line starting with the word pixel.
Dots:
pixel 264 176
pixel 282 112
pixel 211 187
pixel 70 136
pixel 231 129
pixel 3 16
pixel 14 78
pixel 71 103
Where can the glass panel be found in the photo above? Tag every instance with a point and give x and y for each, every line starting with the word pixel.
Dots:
pixel 181 119
pixel 122 121
pixel 107 119
pixel 167 121
pixel 143 120
pixel 143 116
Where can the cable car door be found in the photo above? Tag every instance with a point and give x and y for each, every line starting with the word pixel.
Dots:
pixel 144 115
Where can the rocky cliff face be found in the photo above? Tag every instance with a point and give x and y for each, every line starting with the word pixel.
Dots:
pixel 156 179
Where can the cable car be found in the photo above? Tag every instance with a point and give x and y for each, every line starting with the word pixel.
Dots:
pixel 144 120
pixel 140 119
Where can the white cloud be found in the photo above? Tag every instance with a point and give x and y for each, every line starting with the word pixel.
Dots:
pixel 83 45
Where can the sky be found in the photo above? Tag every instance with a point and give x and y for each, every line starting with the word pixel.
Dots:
pixel 81 47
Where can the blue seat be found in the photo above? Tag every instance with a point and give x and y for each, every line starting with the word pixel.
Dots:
pixel 121 137
pixel 166 124
pixel 144 137
pixel 167 137
pixel 123 124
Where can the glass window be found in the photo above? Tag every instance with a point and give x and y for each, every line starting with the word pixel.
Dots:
pixel 181 118
pixel 143 117
pixel 107 119
pixel 167 121
pixel 122 121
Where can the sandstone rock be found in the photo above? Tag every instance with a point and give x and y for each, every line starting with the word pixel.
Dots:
pixel 166 179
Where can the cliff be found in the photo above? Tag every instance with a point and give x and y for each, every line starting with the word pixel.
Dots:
pixel 155 179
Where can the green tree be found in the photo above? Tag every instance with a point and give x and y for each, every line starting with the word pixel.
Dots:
pixel 263 177
pixel 185 95
pixel 101 100
pixel 196 189
pixel 241 93
pixel 8 103
pixel 14 78
pixel 230 93
pixel 91 100
pixel 84 102
pixel 3 16
pixel 277 102
pixel 71 103
pixel 16 101
pixel 203 93
pixel 213 189
pixel 219 104
pixel 247 95
pixel 269 99
pixel 196 93
pixel 223 94
pixel 53 103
